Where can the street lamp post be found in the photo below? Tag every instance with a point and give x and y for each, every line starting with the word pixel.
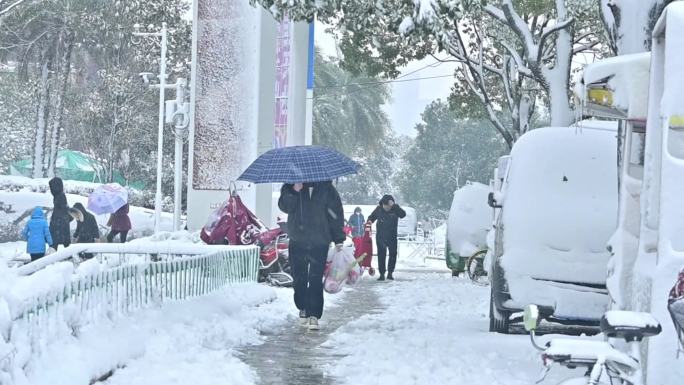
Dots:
pixel 160 139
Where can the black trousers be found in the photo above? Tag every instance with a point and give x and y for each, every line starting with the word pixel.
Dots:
pixel 37 256
pixel 114 233
pixel 308 263
pixel 383 245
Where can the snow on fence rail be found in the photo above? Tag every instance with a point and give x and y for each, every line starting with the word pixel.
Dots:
pixel 123 250
pixel 112 293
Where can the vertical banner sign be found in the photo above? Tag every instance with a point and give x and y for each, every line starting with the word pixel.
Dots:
pixel 310 58
pixel 282 86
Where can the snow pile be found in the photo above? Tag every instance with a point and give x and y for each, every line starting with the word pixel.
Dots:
pixel 559 210
pixel 190 342
pixel 142 198
pixel 440 234
pixel 432 329
pixel 141 218
pixel 470 219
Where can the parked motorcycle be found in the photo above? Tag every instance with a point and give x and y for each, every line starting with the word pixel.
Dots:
pixel 234 224
pixel 601 359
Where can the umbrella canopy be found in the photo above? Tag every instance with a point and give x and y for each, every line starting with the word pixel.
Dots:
pixel 107 198
pixel 299 164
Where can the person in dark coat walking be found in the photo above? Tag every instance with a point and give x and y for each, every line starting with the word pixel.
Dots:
pixel 121 224
pixel 87 230
pixel 315 219
pixel 387 214
pixel 60 218
pixel 356 221
pixel 36 234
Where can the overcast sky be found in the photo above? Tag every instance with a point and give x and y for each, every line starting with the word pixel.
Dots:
pixel 409 98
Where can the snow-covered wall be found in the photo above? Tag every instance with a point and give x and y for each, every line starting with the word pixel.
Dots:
pixel 224 83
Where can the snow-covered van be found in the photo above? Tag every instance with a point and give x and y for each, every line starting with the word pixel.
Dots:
pixel 558 210
pixel 470 218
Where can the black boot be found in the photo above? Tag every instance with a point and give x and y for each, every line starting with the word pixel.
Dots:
pixel 382 277
pixel 389 276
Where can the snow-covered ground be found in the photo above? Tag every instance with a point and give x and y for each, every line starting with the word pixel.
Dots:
pixel 142 220
pixel 433 330
pixel 190 342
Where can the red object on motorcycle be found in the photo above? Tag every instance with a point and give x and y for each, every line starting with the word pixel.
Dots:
pixel 232 223
pixel 269 256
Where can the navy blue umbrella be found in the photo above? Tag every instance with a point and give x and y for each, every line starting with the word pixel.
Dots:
pixel 299 164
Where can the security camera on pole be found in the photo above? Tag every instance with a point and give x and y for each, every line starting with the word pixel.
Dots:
pixel 176 112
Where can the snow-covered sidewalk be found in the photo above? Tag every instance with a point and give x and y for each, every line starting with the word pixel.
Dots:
pixel 189 342
pixel 433 330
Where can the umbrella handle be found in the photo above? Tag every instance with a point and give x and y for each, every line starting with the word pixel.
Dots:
pixel 232 188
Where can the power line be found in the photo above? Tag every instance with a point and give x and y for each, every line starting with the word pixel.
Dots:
pixel 385 82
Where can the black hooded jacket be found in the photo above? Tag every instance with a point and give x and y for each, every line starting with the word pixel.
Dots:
pixel 60 218
pixel 388 221
pixel 86 231
pixel 314 215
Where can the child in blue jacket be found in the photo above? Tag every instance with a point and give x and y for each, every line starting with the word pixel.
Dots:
pixel 37 233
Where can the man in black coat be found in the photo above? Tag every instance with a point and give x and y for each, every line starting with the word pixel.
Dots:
pixel 60 218
pixel 315 218
pixel 387 214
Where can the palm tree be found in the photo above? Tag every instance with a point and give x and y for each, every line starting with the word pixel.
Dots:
pixel 348 113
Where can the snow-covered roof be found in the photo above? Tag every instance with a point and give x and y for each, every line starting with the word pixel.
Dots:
pixel 619 83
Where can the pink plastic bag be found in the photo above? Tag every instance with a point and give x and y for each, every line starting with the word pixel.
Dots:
pixel 340 268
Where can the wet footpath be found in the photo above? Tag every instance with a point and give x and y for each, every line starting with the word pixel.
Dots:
pixel 293 355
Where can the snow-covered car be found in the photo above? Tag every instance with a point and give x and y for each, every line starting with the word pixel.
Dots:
pixel 558 211
pixel 470 218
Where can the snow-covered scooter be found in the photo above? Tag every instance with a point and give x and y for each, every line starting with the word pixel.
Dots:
pixel 601 359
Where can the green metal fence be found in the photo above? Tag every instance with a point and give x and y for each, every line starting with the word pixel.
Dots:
pixel 123 290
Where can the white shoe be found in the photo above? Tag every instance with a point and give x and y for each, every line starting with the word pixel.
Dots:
pixel 313 324
pixel 303 320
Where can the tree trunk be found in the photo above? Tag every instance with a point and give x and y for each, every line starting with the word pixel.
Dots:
pixel 629 23
pixel 59 108
pixel 558 77
pixel 42 113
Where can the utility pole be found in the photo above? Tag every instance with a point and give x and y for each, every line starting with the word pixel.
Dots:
pixel 177 113
pixel 160 138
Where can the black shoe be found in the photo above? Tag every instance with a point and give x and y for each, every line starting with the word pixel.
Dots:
pixel 382 277
pixel 390 277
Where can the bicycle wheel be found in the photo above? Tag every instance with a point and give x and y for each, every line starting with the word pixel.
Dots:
pixel 475 268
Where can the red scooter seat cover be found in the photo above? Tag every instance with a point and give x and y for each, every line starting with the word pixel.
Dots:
pixel 232 223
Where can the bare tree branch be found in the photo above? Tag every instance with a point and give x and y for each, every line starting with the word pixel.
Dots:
pixel 545 35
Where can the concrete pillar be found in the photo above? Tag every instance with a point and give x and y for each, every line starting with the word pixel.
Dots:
pixel 233 103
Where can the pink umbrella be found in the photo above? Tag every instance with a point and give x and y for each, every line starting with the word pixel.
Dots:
pixel 107 198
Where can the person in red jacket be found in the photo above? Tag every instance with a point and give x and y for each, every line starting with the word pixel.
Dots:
pixel 121 224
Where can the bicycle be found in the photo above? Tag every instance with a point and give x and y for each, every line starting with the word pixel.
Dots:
pixel 475 268
pixel 597 357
